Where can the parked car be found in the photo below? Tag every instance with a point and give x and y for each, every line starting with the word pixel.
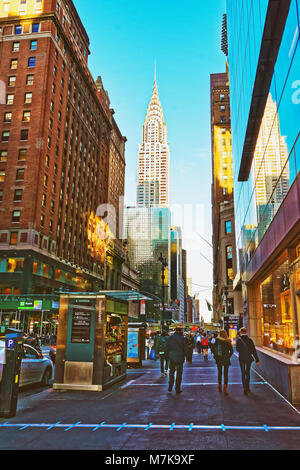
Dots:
pixel 35 368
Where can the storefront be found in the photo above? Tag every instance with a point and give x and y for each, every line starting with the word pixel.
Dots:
pixel 92 339
pixel 273 320
pixel 31 314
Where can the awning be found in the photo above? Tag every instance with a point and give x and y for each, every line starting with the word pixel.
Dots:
pixel 113 294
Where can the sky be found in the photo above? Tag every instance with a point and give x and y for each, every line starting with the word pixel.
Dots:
pixel 127 38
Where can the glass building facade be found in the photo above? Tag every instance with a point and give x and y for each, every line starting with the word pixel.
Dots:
pixel 147 231
pixel 264 66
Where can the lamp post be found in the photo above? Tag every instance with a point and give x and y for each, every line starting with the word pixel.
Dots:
pixel 164 265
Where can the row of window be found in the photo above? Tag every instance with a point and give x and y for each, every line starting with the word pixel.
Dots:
pixel 32 47
pixel 8 116
pixel 35 28
pixel 11 97
pixel 6 135
pixel 14 63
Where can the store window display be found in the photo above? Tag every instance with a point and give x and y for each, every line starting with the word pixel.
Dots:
pixel 277 316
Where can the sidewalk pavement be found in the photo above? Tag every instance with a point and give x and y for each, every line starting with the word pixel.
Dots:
pixel 140 414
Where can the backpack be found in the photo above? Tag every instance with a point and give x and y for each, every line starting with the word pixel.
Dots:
pixel 204 342
pixel 161 344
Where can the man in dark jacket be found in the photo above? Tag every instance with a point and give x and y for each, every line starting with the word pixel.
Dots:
pixel 247 354
pixel 177 351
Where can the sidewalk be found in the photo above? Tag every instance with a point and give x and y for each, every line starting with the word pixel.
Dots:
pixel 140 414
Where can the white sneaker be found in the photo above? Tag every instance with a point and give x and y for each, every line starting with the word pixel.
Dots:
pixel 162 375
pixel 166 374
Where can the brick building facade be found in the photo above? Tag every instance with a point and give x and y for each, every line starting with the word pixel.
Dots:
pixel 55 150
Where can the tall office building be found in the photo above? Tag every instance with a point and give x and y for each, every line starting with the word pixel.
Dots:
pixel 147 231
pixel 177 280
pixel 264 63
pixel 55 152
pixel 154 158
pixel 224 247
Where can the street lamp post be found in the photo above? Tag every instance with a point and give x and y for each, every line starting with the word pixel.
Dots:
pixel 164 265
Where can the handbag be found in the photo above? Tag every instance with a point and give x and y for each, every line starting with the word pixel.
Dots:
pixel 152 355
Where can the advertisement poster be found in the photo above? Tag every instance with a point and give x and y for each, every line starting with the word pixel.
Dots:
pixel 133 345
pixel 2 352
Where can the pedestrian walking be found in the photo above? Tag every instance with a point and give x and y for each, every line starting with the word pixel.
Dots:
pixel 247 354
pixel 222 350
pixel 204 346
pixel 198 343
pixel 191 346
pixel 177 351
pixel 161 345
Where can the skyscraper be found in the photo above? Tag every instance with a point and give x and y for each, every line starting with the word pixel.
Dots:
pixel 154 158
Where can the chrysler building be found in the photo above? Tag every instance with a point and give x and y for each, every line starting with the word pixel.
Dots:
pixel 154 158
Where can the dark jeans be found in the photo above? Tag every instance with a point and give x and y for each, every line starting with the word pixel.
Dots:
pixel 164 363
pixel 179 370
pixel 220 373
pixel 245 369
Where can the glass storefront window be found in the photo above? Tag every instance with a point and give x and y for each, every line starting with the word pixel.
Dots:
pixel 15 265
pixel 277 318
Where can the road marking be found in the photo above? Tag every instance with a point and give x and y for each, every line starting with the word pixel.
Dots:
pixel 185 384
pixel 171 427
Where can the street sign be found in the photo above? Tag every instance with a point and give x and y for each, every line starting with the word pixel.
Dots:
pixel 9 343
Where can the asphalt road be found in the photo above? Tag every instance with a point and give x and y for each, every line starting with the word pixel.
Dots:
pixel 139 414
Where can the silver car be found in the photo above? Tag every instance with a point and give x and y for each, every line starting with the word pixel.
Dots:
pixel 35 368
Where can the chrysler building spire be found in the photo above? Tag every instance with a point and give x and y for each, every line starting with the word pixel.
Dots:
pixel 154 157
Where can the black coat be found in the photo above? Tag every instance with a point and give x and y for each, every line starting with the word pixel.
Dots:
pixel 177 348
pixel 222 351
pixel 246 349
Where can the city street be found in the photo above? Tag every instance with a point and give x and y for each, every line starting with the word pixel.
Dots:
pixel 140 414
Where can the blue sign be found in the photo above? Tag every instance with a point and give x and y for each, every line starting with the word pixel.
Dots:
pixel 133 344
pixel 10 343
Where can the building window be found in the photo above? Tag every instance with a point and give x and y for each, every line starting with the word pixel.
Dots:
pixel 3 155
pixel 45 180
pixel 33 45
pixel 222 97
pixel 10 99
pixel 5 136
pixel 223 119
pixel 35 27
pixel 15 265
pixel 16 46
pixel 24 134
pixel 22 154
pixel 16 216
pixel 20 174
pixel 31 61
pixel 44 200
pixel 18 195
pixel 42 220
pixel 28 98
pixel 1 196
pixel 2 176
pixel 29 79
pixel 11 81
pixel 228 227
pixel 26 116
pixel 7 117
pixel 13 238
pixel 14 64
pixel 18 29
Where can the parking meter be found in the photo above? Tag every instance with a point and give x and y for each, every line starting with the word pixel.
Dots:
pixel 9 386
